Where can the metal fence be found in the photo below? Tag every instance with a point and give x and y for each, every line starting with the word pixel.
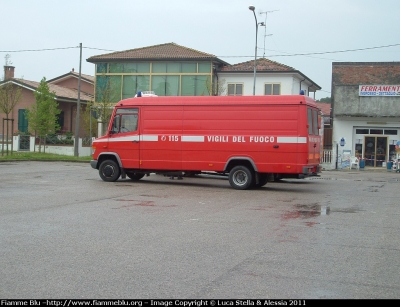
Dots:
pixel 327 156
pixel 51 144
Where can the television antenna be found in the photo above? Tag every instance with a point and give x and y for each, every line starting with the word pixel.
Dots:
pixel 265 29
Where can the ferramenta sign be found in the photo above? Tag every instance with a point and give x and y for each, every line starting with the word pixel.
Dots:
pixel 379 90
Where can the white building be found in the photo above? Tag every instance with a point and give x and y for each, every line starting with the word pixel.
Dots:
pixel 272 78
pixel 366 111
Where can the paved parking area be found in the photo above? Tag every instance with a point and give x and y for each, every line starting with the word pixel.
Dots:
pixel 64 233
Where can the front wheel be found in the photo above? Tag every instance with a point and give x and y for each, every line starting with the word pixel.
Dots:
pixel 109 170
pixel 240 178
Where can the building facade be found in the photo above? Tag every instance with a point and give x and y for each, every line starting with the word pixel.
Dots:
pixel 366 111
pixel 65 88
pixel 174 70
pixel 272 78
pixel 167 69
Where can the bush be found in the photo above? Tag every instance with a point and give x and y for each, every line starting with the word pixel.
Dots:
pixel 54 139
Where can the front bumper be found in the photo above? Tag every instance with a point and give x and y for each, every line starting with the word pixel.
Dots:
pixel 93 163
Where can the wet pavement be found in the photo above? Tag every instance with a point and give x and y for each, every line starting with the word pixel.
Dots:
pixel 65 233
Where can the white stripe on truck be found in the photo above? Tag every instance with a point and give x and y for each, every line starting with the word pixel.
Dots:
pixel 192 138
pixel 291 139
pixel 199 139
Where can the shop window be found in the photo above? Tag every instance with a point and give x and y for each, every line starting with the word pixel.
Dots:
pixel 358 150
pixel 390 132
pixel 362 131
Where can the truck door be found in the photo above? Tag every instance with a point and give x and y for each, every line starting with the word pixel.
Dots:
pixel 124 137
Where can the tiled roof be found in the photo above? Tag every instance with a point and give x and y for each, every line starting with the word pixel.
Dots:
pixel 74 74
pixel 83 76
pixel 263 64
pixel 60 91
pixel 325 108
pixel 356 73
pixel 163 51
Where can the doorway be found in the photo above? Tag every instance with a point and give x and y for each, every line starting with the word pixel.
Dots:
pixel 375 150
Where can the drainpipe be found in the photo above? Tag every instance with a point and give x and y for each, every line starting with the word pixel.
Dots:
pixel 300 84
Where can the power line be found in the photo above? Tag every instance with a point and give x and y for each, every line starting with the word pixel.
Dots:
pixel 222 56
pixel 34 50
pixel 99 49
pixel 51 49
pixel 313 53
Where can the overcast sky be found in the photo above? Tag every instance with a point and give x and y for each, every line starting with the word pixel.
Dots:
pixel 307 35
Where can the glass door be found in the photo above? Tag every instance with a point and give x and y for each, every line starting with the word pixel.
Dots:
pixel 375 150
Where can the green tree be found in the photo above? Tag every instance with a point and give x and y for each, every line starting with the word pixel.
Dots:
pixel 325 100
pixel 89 117
pixel 10 95
pixel 43 115
pixel 106 95
pixel 215 88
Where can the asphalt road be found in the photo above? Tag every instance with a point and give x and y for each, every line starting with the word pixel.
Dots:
pixel 64 233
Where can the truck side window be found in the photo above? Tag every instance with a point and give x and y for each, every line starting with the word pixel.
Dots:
pixel 315 122
pixel 310 121
pixel 125 120
pixel 115 125
pixel 128 122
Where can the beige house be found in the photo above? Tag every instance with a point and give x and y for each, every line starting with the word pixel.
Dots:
pixel 65 88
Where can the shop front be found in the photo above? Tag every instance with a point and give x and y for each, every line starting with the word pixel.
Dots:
pixel 373 143
pixel 375 146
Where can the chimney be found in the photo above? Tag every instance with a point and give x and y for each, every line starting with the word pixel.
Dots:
pixel 8 72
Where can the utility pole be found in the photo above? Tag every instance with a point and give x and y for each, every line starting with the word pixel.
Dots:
pixel 78 107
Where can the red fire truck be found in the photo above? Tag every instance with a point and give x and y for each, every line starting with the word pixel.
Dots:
pixel 249 139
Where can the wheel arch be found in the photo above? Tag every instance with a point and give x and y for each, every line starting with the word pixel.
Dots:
pixel 108 156
pixel 235 161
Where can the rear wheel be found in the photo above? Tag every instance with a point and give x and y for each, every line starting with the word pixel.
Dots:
pixel 240 177
pixel 109 170
pixel 135 176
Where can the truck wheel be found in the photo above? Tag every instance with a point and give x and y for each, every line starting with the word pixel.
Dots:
pixel 109 170
pixel 240 178
pixel 135 176
pixel 262 181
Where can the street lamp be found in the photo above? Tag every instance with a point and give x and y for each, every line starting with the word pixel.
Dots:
pixel 252 8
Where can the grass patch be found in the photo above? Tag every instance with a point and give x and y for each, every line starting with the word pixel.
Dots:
pixel 40 156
